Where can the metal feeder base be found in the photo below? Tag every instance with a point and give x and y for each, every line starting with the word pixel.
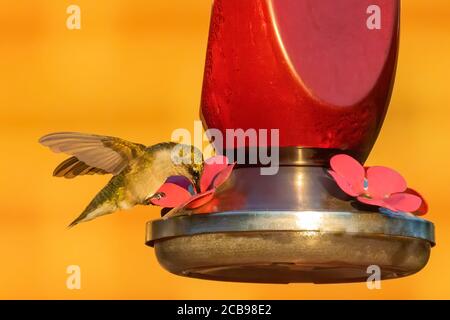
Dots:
pixel 295 226
pixel 285 256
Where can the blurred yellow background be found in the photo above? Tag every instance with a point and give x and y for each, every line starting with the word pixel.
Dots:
pixel 135 71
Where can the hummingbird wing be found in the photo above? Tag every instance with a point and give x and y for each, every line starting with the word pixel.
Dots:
pixel 91 154
pixel 73 167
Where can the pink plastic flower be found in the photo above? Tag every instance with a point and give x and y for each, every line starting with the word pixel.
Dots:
pixel 378 186
pixel 179 191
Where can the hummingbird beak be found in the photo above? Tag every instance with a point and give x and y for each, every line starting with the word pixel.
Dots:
pixel 196 175
pixel 196 181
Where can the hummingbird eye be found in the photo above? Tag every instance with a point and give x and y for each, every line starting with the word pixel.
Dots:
pixel 198 168
pixel 196 172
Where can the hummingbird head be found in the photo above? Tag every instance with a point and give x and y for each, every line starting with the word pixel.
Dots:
pixel 196 166
pixel 196 172
pixel 191 159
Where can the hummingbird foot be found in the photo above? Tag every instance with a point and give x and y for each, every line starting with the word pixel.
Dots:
pixel 156 196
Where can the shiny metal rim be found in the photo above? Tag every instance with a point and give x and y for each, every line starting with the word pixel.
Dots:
pixel 289 156
pixel 326 222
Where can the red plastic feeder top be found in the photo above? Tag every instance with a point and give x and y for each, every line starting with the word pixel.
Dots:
pixel 320 71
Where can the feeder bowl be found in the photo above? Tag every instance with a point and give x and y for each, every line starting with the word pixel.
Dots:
pixel 295 226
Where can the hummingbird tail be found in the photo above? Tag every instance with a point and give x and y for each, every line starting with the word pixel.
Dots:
pixel 88 215
pixel 103 203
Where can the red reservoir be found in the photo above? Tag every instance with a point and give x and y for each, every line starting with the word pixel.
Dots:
pixel 320 71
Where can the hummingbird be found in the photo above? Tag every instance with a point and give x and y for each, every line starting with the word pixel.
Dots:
pixel 138 170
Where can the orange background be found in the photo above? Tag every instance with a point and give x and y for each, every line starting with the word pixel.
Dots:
pixel 135 71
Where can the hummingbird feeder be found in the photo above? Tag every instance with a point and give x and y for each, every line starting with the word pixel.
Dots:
pixel 322 73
